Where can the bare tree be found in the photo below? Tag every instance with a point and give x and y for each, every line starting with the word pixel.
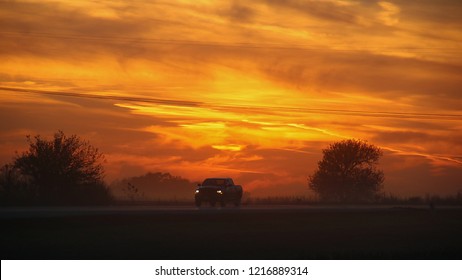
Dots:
pixel 132 192
pixel 348 172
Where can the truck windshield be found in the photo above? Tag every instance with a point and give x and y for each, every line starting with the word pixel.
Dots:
pixel 213 182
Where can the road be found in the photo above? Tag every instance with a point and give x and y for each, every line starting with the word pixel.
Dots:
pixel 248 232
pixel 35 212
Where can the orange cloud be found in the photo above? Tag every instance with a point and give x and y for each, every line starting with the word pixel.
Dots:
pixel 252 89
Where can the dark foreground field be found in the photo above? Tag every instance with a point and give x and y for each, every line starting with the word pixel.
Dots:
pixel 279 233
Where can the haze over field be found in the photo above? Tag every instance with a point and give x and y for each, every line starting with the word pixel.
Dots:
pixel 248 89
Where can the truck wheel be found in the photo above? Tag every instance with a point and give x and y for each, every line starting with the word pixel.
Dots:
pixel 222 203
pixel 212 203
pixel 237 203
pixel 198 203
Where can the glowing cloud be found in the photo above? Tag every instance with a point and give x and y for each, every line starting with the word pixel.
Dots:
pixel 252 89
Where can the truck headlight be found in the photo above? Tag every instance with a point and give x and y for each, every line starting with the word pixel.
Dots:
pixel 219 192
pixel 197 191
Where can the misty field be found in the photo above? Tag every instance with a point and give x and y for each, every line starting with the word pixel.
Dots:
pixel 383 233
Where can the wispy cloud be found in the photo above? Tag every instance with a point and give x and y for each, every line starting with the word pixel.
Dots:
pixel 389 14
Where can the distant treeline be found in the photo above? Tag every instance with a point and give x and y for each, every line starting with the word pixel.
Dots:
pixel 156 186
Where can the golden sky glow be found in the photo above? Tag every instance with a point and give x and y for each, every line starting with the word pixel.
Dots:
pixel 249 89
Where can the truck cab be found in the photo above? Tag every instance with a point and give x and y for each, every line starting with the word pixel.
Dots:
pixel 218 190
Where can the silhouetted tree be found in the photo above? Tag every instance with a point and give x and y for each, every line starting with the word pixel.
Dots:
pixel 64 170
pixel 348 172
pixel 14 186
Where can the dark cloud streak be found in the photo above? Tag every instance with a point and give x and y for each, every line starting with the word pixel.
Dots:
pixel 244 108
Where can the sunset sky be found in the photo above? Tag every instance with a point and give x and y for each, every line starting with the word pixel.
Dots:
pixel 253 90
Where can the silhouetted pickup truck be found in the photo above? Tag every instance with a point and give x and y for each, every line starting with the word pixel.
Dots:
pixel 221 190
